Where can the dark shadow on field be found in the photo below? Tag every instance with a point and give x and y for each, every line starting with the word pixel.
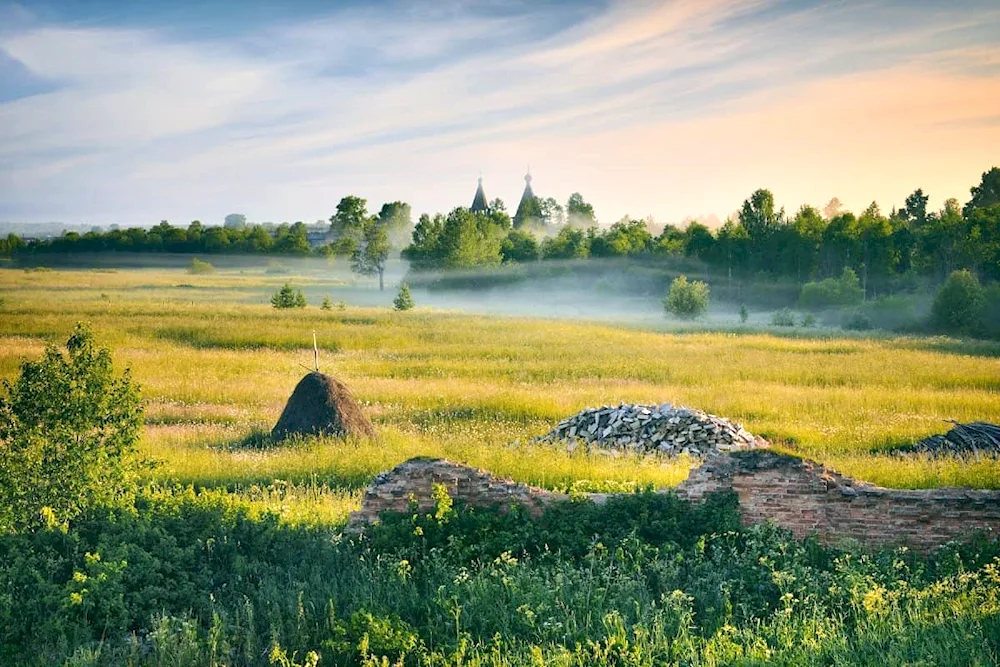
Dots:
pixel 202 338
pixel 970 347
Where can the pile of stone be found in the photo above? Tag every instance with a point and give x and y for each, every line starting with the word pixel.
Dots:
pixel 647 429
pixel 977 438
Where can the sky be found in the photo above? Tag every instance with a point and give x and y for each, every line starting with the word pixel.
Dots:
pixel 133 111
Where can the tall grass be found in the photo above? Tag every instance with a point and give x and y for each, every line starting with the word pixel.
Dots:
pixel 217 363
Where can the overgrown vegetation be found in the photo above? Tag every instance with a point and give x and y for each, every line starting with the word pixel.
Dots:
pixel 68 433
pixel 202 579
pixel 247 569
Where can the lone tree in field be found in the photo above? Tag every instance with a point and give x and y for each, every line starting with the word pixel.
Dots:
pixel 686 300
pixel 404 300
pixel 371 255
pixel 288 297
pixel 68 433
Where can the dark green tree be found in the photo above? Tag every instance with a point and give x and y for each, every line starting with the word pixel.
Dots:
pixel 987 193
pixel 372 255
pixel 569 243
pixel 579 213
pixel 347 225
pixel 404 300
pixel 288 297
pixel 959 306
pixel 520 245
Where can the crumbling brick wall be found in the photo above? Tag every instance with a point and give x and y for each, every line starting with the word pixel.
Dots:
pixel 794 493
pixel 413 481
pixel 805 497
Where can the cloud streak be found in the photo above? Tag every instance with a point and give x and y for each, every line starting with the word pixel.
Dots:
pixel 670 109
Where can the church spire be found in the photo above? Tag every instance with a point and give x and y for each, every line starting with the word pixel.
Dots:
pixel 479 201
pixel 528 210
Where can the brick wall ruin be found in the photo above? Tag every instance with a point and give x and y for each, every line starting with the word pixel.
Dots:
pixel 413 481
pixel 797 494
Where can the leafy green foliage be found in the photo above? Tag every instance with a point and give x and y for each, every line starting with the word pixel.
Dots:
pixel 832 292
pixel 686 299
pixel 625 237
pixel 201 579
pixel 68 433
pixel 959 306
pixel 199 267
pixel 404 300
pixel 520 245
pixel 569 243
pixel 288 297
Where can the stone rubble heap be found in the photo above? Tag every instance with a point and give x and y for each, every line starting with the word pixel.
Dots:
pixel 977 438
pixel 646 429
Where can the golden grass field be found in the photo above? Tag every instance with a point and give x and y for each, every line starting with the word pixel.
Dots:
pixel 216 364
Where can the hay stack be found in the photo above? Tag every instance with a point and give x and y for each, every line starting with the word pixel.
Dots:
pixel 320 405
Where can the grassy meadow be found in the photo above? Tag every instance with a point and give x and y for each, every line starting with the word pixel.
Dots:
pixel 231 554
pixel 216 364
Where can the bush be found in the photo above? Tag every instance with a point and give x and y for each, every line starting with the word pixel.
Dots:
pixel 686 299
pixel 519 246
pixel 858 321
pixel 843 291
pixel 288 297
pixel 403 300
pixel 326 305
pixel 199 267
pixel 68 433
pixel 783 318
pixel 744 313
pixel 960 305
pixel 808 321
pixel 898 312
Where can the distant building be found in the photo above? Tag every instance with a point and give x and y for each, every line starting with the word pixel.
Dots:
pixel 528 206
pixel 479 204
pixel 318 237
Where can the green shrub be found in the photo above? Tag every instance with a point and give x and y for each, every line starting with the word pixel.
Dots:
pixel 686 300
pixel 404 300
pixel 831 292
pixel 991 313
pixel 199 267
pixel 858 321
pixel 808 321
pixel 326 305
pixel 895 313
pixel 68 433
pixel 744 313
pixel 960 305
pixel 783 318
pixel 288 297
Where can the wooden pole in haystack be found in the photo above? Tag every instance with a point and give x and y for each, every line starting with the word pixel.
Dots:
pixel 315 352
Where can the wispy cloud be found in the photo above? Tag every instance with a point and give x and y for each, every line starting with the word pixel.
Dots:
pixel 663 108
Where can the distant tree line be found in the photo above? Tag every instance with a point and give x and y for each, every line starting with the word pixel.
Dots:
pixel 878 250
pixel 881 251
